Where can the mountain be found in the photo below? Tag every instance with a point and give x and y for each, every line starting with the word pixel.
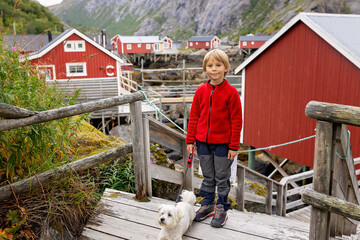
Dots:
pixel 180 19
pixel 29 17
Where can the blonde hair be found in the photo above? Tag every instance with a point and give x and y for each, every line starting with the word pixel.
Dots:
pixel 220 56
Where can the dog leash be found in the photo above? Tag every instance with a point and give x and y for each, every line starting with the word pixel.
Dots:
pixel 188 165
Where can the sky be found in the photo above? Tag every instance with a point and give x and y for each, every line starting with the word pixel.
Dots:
pixel 48 3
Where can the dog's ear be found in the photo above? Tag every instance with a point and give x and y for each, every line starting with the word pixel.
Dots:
pixel 160 207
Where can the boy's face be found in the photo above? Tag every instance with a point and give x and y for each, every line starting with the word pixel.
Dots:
pixel 215 70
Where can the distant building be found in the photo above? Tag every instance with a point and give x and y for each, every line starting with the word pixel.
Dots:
pixel 140 44
pixel 252 42
pixel 313 57
pixel 203 42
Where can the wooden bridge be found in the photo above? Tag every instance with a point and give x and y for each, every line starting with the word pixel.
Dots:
pixel 334 194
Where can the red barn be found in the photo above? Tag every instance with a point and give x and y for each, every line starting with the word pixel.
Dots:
pixel 203 42
pixel 140 44
pixel 74 55
pixel 252 42
pixel 313 57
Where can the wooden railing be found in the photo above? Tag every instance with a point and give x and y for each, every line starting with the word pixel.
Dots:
pixel 334 181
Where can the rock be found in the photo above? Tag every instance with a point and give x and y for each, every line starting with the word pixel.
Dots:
pixel 122 131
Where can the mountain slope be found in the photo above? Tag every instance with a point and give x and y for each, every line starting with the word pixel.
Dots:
pixel 180 19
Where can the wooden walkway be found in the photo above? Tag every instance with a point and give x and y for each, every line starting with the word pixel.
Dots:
pixel 121 217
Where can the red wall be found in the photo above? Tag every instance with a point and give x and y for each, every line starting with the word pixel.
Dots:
pixel 200 45
pixel 134 48
pixel 297 68
pixel 94 58
pixel 256 44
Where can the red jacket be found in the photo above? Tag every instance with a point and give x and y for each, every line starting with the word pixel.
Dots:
pixel 216 115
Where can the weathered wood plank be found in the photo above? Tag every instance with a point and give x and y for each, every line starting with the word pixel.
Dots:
pixel 336 113
pixel 62 171
pixel 45 116
pixel 10 111
pixel 331 204
pixel 137 137
pixel 319 226
pixel 90 234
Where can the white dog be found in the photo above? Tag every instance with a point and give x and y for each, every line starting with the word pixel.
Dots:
pixel 175 220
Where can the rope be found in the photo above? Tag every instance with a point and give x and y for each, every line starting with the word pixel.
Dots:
pixel 157 110
pixel 279 145
pixel 347 147
pixel 243 151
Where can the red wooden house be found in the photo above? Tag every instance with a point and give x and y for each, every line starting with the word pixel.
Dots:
pixel 203 42
pixel 140 44
pixel 74 55
pixel 252 42
pixel 313 57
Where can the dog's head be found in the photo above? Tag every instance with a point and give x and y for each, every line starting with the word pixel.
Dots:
pixel 169 216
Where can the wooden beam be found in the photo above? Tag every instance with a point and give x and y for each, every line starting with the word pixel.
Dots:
pixel 63 171
pixel 320 220
pixel 331 204
pixel 336 113
pixel 45 116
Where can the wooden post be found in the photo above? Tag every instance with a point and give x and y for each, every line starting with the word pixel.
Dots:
pixel 138 149
pixel 147 156
pixel 251 159
pixel 279 200
pixel 320 219
pixel 188 183
pixel 240 189
pixel 269 186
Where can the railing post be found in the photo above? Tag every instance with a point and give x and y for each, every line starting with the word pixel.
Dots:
pixel 320 219
pixel 147 156
pixel 138 149
pixel 240 188
pixel 269 186
pixel 279 199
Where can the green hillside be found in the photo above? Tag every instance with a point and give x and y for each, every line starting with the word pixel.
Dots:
pixel 30 17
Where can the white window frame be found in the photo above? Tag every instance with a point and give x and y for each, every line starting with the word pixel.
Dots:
pixel 157 46
pixel 74 46
pixel 128 46
pixel 139 45
pixel 207 44
pixel 191 44
pixel 76 74
pixel 148 46
pixel 244 44
pixel 197 43
pixel 252 43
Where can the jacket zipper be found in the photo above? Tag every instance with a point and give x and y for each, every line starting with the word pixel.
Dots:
pixel 207 134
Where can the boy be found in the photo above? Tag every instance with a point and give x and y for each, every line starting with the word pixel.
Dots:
pixel 215 124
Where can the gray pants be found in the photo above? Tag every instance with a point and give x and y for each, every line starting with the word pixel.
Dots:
pixel 216 169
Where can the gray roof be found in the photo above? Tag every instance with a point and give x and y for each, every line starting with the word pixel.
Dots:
pixel 201 38
pixel 27 42
pixel 345 29
pixel 341 31
pixel 254 38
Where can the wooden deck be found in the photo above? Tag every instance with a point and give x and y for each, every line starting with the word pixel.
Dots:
pixel 121 217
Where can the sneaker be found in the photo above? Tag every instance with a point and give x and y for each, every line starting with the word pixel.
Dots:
pixel 204 212
pixel 220 217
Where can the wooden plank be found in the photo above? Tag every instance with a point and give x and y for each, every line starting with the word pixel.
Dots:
pixel 137 138
pixel 10 111
pixel 319 226
pixel 54 114
pixel 147 156
pixel 336 113
pixel 165 174
pixel 90 234
pixel 240 198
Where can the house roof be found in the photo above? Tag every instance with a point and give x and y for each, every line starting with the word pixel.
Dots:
pixel 139 39
pixel 27 42
pixel 201 38
pixel 341 31
pixel 254 38
pixel 63 36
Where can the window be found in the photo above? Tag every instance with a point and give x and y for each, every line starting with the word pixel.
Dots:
pixel 244 43
pixel 191 44
pixel 157 46
pixel 76 69
pixel 139 45
pixel 128 46
pixel 197 43
pixel 148 46
pixel 207 44
pixel 45 74
pixel 74 46
pixel 252 43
